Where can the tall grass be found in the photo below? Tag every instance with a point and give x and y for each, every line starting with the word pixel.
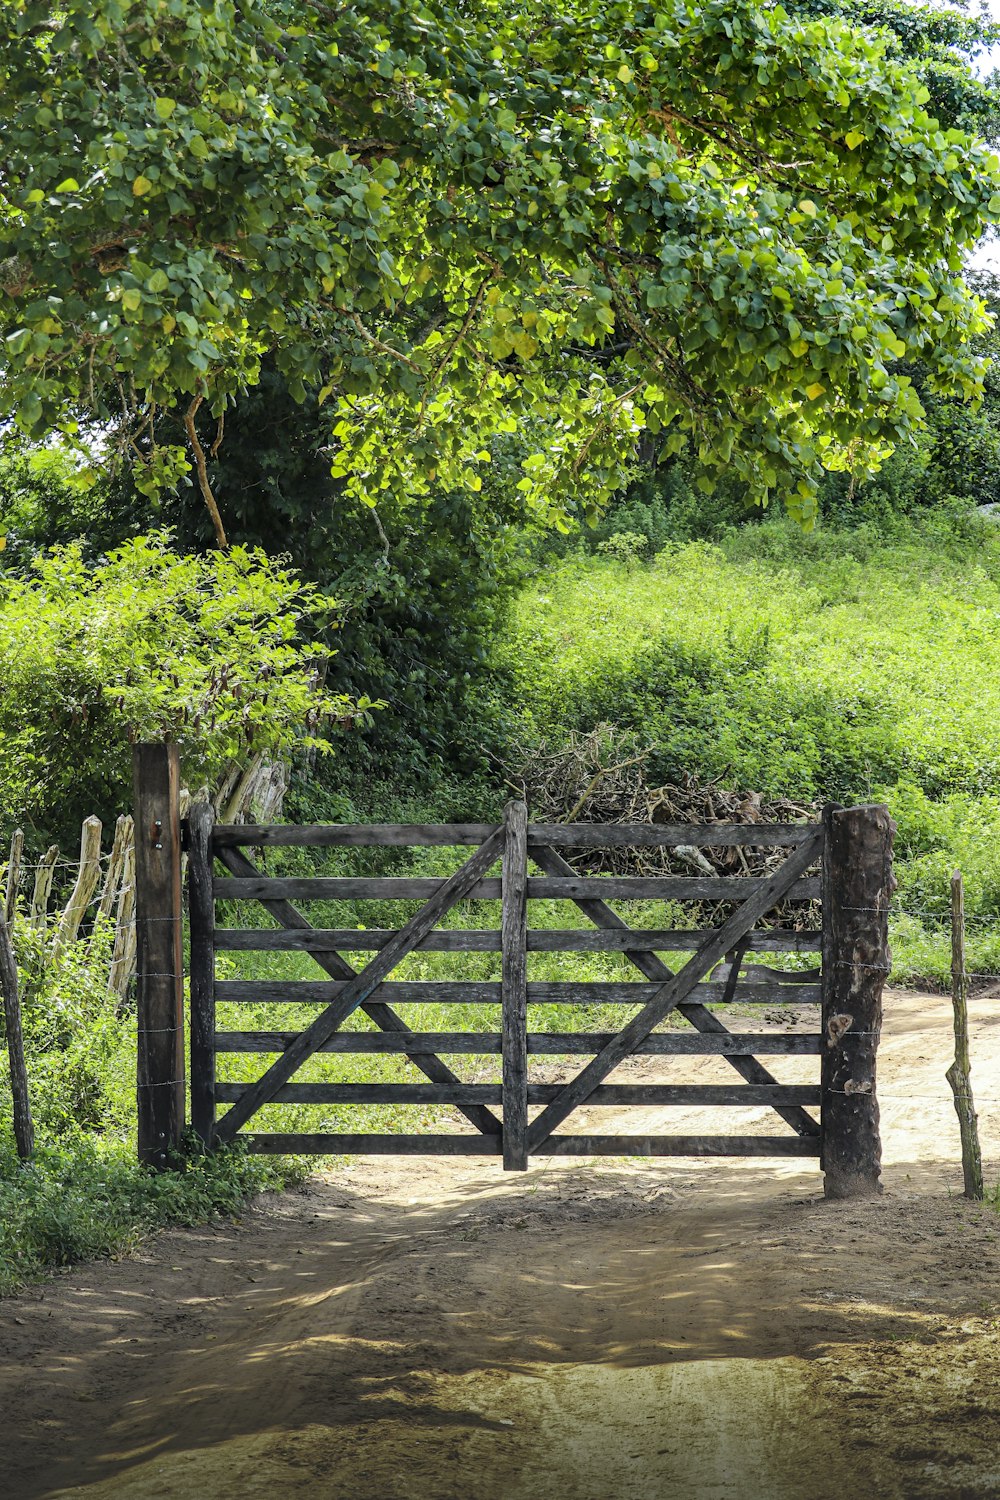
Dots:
pixel 849 666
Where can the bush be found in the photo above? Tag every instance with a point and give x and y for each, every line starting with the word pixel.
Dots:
pixel 91 1198
pixel 209 650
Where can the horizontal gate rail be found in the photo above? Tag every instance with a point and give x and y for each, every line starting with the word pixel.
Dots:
pixel 487 940
pixel 570 835
pixel 488 992
pixel 540 887
pixel 556 1145
pixel 608 1095
pixel 549 1043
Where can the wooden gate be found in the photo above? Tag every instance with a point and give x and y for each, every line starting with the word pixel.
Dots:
pixel 841 866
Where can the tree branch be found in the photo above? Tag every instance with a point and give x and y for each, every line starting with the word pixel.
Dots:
pixel 206 488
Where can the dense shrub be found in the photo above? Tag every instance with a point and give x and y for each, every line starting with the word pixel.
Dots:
pixel 209 650
pixel 84 1194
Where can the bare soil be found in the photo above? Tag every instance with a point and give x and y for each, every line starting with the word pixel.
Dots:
pixel 616 1330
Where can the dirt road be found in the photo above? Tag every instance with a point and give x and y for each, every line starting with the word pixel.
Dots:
pixel 636 1330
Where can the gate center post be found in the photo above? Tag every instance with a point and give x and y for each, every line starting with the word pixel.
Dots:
pixel 514 987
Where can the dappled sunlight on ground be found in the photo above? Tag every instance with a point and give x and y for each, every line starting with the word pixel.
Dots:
pixel 629 1329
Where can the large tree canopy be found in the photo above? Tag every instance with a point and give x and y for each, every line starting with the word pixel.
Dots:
pixel 706 218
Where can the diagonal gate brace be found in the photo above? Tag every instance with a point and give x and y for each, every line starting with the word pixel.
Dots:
pixel 701 1018
pixel 357 990
pixel 383 1015
pixel 672 993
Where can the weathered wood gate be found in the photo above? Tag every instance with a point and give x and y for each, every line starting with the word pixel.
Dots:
pixel 852 849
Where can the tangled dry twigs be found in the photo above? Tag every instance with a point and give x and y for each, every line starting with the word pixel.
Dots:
pixel 600 777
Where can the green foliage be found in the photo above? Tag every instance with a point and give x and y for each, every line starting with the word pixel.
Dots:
pixel 47 499
pixel 82 1049
pixel 89 1198
pixel 421 582
pixel 145 643
pixel 845 665
pixel 941 43
pixel 716 220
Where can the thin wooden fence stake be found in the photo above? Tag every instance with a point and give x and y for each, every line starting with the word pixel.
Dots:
pixel 514 987
pixel 958 1074
pixel 24 1132
pixel 857 885
pixel 158 915
pixel 116 864
pixel 201 928
pixel 123 952
pixel 38 914
pixel 14 875
pixel 87 881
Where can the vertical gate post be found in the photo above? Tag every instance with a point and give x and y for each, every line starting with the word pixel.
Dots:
pixel 159 958
pixel 514 987
pixel 857 885
pixel 201 934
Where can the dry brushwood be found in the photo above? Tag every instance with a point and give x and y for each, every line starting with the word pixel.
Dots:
pixel 600 777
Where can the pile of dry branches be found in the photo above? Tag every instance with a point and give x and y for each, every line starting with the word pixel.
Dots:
pixel 600 777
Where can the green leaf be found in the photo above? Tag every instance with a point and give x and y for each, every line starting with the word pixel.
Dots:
pixel 141 186
pixel 165 107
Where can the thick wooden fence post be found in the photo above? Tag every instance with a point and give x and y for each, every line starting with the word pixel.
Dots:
pixel 160 971
pixel 514 987
pixel 201 929
pixel 857 885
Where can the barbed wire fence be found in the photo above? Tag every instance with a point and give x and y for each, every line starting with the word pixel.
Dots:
pixel 64 900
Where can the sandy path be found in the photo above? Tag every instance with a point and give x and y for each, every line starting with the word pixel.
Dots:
pixel 436 1331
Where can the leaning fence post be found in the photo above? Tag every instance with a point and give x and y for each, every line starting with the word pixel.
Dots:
pixel 958 1074
pixel 201 929
pixel 857 885
pixel 160 971
pixel 24 1130
pixel 514 987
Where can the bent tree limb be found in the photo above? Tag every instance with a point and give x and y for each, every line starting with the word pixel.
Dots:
pixel 24 1130
pixel 202 467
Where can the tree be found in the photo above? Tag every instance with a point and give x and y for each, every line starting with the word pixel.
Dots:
pixel 707 218
pixel 421 582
